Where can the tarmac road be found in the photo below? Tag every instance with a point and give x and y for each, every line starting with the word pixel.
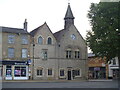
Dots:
pixel 77 84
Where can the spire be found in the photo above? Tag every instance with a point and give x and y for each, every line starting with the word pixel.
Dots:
pixel 69 18
pixel 69 13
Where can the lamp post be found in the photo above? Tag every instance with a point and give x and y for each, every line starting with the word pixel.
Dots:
pixel 33 62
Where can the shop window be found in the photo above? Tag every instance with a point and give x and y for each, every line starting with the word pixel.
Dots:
pixel 114 62
pixel 62 72
pixel 76 72
pixel 24 39
pixel 77 54
pixel 24 53
pixel 44 54
pixel 40 40
pixel 8 71
pixel 20 71
pixel 11 38
pixel 49 41
pixel 39 72
pixel 49 71
pixel 11 52
pixel 68 54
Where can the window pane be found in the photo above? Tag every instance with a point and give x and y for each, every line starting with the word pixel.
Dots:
pixel 44 54
pixel 17 71
pixel 49 40
pixel 37 72
pixel 40 40
pixel 61 72
pixel 8 71
pixel 23 71
pixel 10 52
pixel 24 53
pixel 11 38
pixel 49 71
pixel 24 40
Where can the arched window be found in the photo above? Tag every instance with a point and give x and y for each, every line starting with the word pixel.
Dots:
pixel 49 41
pixel 40 40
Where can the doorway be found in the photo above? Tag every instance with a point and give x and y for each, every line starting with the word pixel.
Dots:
pixel 69 75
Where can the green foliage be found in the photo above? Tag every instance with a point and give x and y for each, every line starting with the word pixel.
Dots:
pixel 104 39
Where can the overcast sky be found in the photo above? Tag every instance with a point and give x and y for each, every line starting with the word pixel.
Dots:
pixel 14 12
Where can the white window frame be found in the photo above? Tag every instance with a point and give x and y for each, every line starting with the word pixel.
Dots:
pixel 68 50
pixel 52 72
pixel 24 39
pixel 64 73
pixel 79 71
pixel 11 39
pixel 43 54
pixel 23 54
pixel 40 68
pixel 9 56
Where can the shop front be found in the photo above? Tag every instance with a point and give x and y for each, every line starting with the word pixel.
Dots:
pixel 15 70
pixel 97 73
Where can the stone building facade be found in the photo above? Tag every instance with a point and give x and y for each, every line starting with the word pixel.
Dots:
pixel 60 55
pixel 43 55
pixel 15 52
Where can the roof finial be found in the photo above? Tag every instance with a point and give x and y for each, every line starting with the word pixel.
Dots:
pixel 68 2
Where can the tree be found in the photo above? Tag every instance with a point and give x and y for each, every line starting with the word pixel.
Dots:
pixel 104 38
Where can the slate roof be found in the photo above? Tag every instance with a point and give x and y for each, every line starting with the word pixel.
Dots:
pixel 69 13
pixel 58 35
pixel 33 32
pixel 13 30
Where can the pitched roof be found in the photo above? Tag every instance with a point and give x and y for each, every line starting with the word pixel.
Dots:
pixel 69 13
pixel 58 35
pixel 33 32
pixel 13 30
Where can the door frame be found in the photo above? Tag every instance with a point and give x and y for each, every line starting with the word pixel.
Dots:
pixel 69 70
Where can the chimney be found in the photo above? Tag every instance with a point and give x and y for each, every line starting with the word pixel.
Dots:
pixel 25 25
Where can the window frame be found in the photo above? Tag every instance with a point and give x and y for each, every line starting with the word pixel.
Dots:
pixel 11 39
pixel 41 39
pixel 68 54
pixel 60 72
pixel 11 54
pixel 23 53
pixel 48 41
pixel 40 73
pixel 48 72
pixel 24 39
pixel 44 54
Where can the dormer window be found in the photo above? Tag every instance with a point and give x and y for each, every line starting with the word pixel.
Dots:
pixel 40 40
pixel 49 41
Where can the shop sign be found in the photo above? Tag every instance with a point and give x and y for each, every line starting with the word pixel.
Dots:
pixel 96 68
pixel 20 63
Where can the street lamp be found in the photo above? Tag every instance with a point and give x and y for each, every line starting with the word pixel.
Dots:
pixel 33 62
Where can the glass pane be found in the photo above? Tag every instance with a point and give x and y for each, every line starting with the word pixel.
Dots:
pixel 24 40
pixel 40 40
pixel 11 38
pixel 49 71
pixel 49 40
pixel 10 52
pixel 24 53
pixel 61 72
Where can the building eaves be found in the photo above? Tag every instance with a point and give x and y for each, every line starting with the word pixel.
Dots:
pixel 14 30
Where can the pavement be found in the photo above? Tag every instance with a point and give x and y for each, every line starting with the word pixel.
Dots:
pixel 90 80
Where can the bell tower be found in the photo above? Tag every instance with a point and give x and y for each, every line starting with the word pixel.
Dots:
pixel 69 18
